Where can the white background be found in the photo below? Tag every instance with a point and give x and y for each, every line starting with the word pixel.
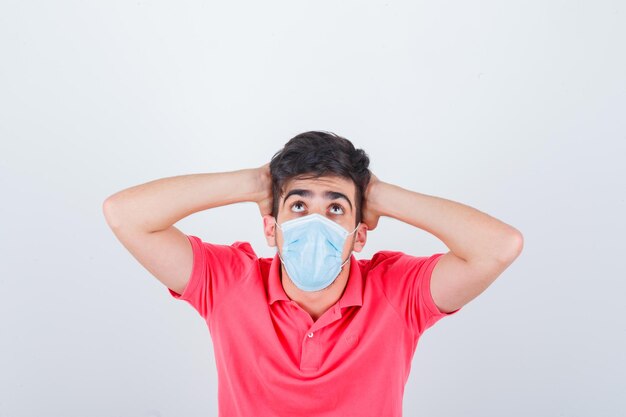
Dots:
pixel 516 108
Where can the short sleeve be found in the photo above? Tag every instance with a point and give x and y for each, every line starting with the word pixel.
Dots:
pixel 407 286
pixel 216 270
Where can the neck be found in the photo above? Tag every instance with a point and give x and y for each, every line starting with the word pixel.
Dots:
pixel 316 303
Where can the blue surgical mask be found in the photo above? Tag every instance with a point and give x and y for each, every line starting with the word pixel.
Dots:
pixel 311 250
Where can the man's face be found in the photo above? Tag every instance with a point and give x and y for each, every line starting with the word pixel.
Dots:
pixel 329 196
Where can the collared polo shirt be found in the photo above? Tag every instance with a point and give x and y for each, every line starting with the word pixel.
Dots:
pixel 273 359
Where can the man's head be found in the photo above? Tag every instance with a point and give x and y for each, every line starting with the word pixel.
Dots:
pixel 319 172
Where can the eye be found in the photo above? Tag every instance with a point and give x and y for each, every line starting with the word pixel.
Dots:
pixel 337 207
pixel 298 204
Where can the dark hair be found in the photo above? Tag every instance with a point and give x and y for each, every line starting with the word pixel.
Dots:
pixel 318 153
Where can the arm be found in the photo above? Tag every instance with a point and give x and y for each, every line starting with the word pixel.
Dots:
pixel 158 204
pixel 142 217
pixel 481 246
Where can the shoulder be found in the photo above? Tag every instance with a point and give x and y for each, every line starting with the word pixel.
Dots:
pixel 246 248
pixel 398 263
pixel 238 255
pixel 382 259
pixel 235 248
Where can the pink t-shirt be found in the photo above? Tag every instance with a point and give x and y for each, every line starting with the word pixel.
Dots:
pixel 273 360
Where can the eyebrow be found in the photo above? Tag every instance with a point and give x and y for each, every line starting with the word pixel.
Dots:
pixel 329 195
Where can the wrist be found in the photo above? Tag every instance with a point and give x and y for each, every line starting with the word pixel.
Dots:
pixel 372 196
pixel 262 181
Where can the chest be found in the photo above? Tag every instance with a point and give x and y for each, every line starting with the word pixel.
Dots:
pixel 282 338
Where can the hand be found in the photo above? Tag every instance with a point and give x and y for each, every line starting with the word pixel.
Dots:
pixel 264 185
pixel 370 215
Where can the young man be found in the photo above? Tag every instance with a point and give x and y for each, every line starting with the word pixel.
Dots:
pixel 312 331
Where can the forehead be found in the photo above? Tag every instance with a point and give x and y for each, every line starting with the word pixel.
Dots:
pixel 325 183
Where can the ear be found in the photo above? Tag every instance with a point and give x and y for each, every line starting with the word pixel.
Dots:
pixel 361 237
pixel 269 230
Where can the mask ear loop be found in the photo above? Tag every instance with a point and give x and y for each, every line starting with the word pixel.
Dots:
pixel 357 226
pixel 277 251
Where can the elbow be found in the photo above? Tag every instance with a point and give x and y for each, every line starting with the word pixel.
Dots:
pixel 108 212
pixel 512 248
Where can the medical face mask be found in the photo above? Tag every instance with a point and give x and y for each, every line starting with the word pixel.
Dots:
pixel 311 250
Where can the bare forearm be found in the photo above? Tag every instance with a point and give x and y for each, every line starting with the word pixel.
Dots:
pixel 469 233
pixel 158 204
